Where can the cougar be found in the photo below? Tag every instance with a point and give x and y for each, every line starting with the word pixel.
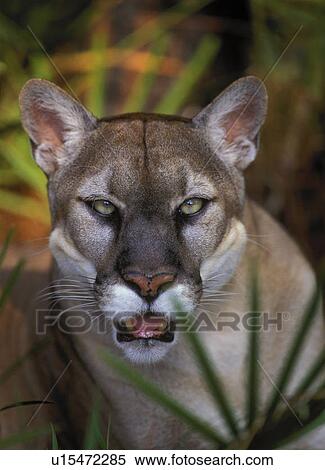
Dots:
pixel 149 217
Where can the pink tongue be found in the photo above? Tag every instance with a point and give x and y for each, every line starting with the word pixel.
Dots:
pixel 143 329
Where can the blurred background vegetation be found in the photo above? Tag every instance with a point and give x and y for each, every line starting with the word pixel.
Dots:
pixel 173 57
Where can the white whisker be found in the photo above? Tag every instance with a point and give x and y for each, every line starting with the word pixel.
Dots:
pixel 56 301
pixel 53 294
pixel 260 245
pixel 75 307
pixel 64 279
pixel 98 316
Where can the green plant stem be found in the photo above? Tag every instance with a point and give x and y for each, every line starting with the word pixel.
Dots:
pixel 18 362
pixel 180 90
pixel 6 244
pixel 253 382
pixel 319 421
pixel 13 276
pixel 98 77
pixel 294 351
pixel 156 394
pixel 155 27
pixel 24 436
pixel 314 372
pixel 54 438
pixel 213 382
pixel 141 89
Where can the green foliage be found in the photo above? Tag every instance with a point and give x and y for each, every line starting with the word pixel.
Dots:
pixel 23 186
pixel 252 395
pixel 276 23
pixel 23 403
pixel 94 438
pixel 23 436
pixel 294 351
pixel 311 426
pixel 213 381
pixel 13 275
pixel 7 373
pixel 17 169
pixel 141 89
pixel 269 429
pixel 156 394
pixel 10 283
pixel 178 94
pixel 166 20
pixel 5 245
pixel 97 98
pixel 54 439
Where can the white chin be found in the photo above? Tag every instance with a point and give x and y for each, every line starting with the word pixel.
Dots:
pixel 145 351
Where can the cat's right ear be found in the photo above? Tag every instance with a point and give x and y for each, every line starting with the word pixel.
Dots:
pixel 232 122
pixel 55 122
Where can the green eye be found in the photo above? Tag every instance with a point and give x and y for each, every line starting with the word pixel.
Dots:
pixel 103 207
pixel 191 206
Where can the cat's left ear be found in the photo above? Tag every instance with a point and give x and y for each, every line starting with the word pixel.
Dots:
pixel 231 123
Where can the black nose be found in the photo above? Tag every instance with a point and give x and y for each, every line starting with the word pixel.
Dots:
pixel 149 284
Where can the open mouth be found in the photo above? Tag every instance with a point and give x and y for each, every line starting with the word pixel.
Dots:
pixel 144 327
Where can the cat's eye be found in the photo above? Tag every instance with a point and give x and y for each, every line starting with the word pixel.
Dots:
pixel 191 206
pixel 103 207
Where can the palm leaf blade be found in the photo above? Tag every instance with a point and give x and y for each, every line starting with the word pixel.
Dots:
pixel 157 395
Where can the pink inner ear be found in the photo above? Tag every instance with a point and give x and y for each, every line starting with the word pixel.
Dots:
pixel 238 123
pixel 48 127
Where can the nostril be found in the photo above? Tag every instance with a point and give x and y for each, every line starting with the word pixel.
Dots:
pixel 161 280
pixel 142 286
pixel 148 285
pixel 139 282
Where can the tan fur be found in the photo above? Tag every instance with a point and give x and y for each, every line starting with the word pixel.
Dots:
pixel 147 166
pixel 290 284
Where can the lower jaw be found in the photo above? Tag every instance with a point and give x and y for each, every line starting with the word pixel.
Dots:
pixel 146 351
